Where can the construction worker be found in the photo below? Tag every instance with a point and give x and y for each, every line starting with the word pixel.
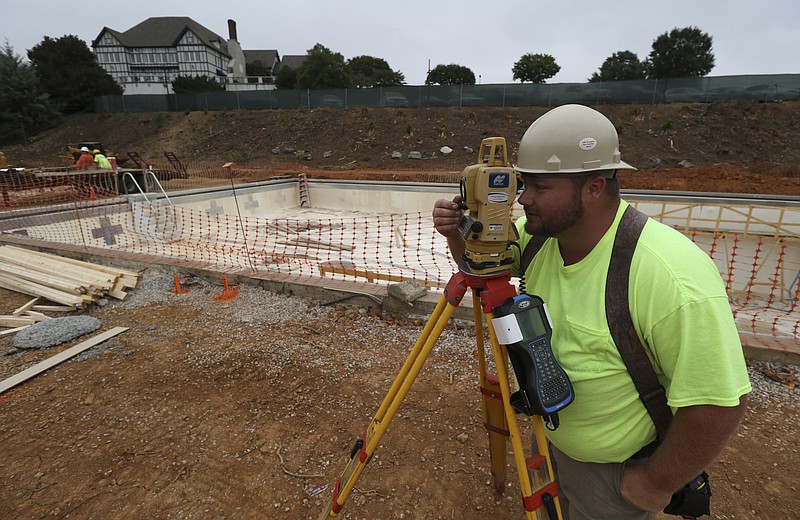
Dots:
pixel 607 460
pixel 101 160
pixel 86 160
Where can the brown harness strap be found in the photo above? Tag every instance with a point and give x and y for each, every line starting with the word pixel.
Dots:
pixel 618 315
pixel 620 323
pixel 531 248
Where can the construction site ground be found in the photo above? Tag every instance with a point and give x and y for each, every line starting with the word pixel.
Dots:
pixel 738 147
pixel 248 408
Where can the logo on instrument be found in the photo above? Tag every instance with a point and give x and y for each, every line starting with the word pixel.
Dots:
pixel 499 180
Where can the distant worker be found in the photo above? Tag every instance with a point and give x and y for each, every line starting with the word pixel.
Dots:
pixel 86 160
pixel 101 160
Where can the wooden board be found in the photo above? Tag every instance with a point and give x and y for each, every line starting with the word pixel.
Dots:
pixel 88 265
pixel 59 358
pixel 25 270
pixel 84 276
pixel 12 331
pixel 25 307
pixel 17 321
pixel 53 308
pixel 34 289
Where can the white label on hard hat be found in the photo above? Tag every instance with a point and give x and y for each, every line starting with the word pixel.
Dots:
pixel 587 143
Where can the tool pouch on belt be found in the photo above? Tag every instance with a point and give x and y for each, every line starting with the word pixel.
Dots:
pixel 692 500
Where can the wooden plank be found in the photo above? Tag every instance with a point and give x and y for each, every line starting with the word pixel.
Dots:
pixel 38 315
pixel 84 276
pixel 43 259
pixel 25 307
pixel 120 295
pixel 50 362
pixel 35 289
pixel 120 286
pixel 16 321
pixel 348 268
pixel 53 308
pixel 48 268
pixel 12 331
pixel 94 278
pixel 128 281
pixel 88 265
pixel 54 281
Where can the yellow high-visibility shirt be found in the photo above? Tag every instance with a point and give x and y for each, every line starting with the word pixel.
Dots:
pixel 682 315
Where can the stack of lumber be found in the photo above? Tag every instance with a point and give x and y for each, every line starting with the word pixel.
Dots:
pixel 25 316
pixel 71 283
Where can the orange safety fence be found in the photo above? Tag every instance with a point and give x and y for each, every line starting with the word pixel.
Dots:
pixel 758 257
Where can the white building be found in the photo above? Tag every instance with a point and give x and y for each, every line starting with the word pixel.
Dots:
pixel 147 57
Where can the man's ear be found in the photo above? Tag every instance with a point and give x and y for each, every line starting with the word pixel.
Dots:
pixel 595 186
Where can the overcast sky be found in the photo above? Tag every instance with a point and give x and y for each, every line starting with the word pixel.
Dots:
pixel 750 37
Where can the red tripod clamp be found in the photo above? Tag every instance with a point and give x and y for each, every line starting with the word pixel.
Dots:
pixel 493 290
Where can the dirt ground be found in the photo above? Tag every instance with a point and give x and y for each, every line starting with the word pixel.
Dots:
pixel 249 408
pixel 739 147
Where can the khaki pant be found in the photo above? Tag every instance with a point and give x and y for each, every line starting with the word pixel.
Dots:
pixel 591 491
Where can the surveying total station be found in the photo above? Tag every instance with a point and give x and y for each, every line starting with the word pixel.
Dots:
pixel 519 329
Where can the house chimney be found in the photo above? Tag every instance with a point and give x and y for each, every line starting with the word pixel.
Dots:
pixel 232 30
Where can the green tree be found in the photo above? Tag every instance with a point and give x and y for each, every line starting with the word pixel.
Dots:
pixel 368 71
pixel 69 72
pixel 681 53
pixel 323 69
pixel 535 68
pixel 451 74
pixel 256 68
pixel 25 109
pixel 286 78
pixel 620 66
pixel 187 84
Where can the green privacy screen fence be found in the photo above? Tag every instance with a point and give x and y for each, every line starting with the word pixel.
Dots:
pixel 684 90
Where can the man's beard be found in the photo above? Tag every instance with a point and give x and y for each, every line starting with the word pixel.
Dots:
pixel 563 220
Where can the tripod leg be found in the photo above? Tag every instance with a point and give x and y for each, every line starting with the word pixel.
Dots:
pixel 365 446
pixel 494 419
pixel 548 492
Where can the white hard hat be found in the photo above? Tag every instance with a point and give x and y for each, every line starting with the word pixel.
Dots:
pixel 84 149
pixel 570 139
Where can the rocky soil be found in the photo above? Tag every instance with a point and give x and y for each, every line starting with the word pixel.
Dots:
pixel 740 147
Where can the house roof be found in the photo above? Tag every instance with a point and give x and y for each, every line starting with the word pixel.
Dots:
pixel 165 31
pixel 266 57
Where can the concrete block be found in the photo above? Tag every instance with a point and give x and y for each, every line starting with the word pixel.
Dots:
pixel 407 291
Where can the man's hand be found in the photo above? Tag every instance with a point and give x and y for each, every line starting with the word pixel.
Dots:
pixel 695 438
pixel 641 493
pixel 446 216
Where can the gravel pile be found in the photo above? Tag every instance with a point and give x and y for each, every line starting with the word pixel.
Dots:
pixel 55 331
pixel 252 305
pixel 155 287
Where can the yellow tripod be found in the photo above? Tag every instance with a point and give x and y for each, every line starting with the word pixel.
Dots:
pixel 498 414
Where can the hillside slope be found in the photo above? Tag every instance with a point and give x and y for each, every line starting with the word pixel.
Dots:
pixel 731 146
